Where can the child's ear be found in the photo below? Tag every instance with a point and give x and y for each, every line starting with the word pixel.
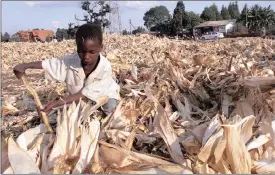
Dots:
pixel 101 47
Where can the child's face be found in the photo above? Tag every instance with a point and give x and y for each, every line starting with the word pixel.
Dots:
pixel 88 51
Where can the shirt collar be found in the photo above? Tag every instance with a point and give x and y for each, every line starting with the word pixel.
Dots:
pixel 96 74
pixel 100 69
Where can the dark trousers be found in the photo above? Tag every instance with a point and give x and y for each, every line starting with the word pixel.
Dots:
pixel 110 106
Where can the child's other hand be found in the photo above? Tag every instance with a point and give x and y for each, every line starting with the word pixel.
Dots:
pixel 19 71
pixel 48 107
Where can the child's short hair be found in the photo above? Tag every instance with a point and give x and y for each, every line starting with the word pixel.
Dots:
pixel 89 31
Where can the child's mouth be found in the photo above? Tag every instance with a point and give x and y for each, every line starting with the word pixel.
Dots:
pixel 87 62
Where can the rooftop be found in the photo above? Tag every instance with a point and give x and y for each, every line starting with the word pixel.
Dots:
pixel 36 33
pixel 215 23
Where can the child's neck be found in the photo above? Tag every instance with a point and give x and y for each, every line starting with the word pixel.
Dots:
pixel 88 69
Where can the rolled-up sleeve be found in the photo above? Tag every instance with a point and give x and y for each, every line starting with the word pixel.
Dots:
pixel 55 69
pixel 103 87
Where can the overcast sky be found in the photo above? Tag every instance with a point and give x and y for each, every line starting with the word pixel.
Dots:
pixel 23 15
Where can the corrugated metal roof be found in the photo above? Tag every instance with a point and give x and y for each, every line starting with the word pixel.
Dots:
pixel 43 33
pixel 24 35
pixel 215 23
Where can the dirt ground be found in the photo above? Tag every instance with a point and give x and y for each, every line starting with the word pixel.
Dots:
pixel 13 91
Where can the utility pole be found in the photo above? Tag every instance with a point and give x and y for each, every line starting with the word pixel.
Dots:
pixel 130 26
pixel 246 16
pixel 114 18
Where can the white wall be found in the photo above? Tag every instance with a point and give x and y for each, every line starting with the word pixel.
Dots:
pixel 222 29
pixel 230 27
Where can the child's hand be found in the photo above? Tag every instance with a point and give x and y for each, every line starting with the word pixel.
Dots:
pixel 19 70
pixel 48 107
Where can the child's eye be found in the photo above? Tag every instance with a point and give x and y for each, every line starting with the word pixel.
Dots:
pixel 92 52
pixel 79 50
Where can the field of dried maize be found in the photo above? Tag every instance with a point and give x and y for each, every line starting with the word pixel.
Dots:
pixel 187 107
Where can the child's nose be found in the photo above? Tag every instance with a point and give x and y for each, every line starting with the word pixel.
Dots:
pixel 86 56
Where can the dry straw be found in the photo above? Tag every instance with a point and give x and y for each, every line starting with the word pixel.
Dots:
pixel 187 107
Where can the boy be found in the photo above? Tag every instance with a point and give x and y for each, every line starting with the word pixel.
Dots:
pixel 87 73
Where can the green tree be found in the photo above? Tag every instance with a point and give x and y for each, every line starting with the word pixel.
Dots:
pixel 164 27
pixel 155 16
pixel 179 19
pixel 243 17
pixel 71 31
pixel 240 27
pixel 215 10
pixel 15 38
pixel 208 14
pixel 138 30
pixel 124 32
pixel 61 34
pixel 225 13
pixel 237 11
pixel 230 8
pixel 95 13
pixel 260 18
pixel 271 30
pixel 192 19
pixel 48 39
pixel 7 36
pixel 233 10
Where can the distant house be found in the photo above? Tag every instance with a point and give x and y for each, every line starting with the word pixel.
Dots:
pixel 35 35
pixel 223 26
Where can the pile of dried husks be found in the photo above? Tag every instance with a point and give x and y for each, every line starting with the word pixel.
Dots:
pixel 187 107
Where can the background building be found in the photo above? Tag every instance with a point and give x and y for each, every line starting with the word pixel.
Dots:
pixel 224 26
pixel 35 35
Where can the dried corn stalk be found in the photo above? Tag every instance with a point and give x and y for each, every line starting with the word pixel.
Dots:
pixel 208 108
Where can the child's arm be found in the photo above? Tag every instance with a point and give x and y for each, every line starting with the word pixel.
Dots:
pixel 91 91
pixel 19 69
pixel 55 68
pixel 66 100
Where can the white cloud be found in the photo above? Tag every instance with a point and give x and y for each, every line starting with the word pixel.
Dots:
pixel 35 3
pixel 31 3
pixel 57 24
pixel 140 4
pixel 145 5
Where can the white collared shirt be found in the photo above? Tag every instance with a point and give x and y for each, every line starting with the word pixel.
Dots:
pixel 68 69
